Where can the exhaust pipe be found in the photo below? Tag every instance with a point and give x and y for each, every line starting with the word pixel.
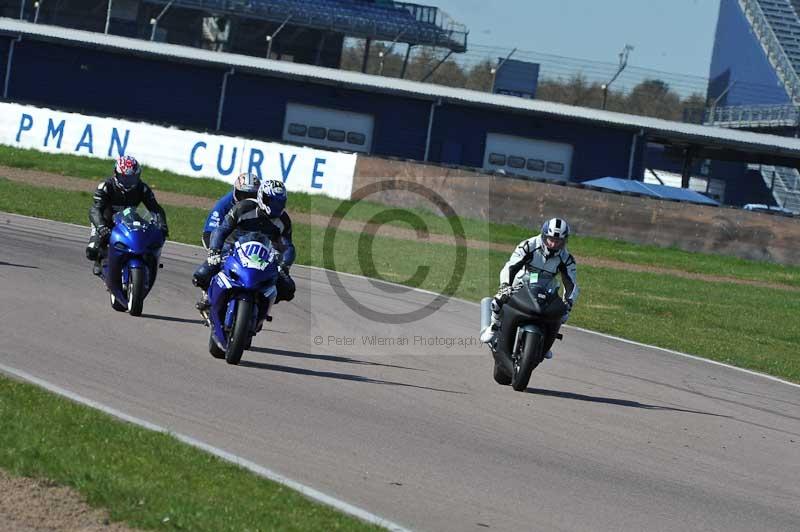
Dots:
pixel 486 312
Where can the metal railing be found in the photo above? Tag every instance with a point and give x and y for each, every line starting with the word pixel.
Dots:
pixel 751 116
pixel 385 22
pixel 785 185
pixel 772 46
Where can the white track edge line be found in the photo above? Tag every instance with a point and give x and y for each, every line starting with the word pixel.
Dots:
pixel 262 471
pixel 686 355
pixel 603 335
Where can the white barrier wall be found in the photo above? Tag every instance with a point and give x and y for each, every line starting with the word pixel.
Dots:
pixel 184 152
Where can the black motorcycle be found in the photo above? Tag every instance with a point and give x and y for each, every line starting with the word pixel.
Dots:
pixel 533 309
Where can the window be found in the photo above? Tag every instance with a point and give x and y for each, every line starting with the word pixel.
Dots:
pixel 497 159
pixel 336 135
pixel 317 132
pixel 298 130
pixel 536 165
pixel 516 162
pixel 555 168
pixel 356 138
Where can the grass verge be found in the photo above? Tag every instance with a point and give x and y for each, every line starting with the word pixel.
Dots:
pixel 147 479
pixel 599 248
pixel 742 325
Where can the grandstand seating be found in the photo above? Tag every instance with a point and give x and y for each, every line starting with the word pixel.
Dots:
pixel 386 20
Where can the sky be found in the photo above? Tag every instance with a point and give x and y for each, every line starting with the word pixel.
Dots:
pixel 668 35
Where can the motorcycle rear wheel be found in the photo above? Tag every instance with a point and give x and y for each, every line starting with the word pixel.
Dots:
pixel 240 332
pixel 116 305
pixel 214 349
pixel 530 357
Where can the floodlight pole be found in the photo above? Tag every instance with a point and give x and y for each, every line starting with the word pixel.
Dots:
pixel 108 16
pixel 271 37
pixel 154 21
pixel 623 62
pixel 499 65
pixel 22 9
pixel 37 4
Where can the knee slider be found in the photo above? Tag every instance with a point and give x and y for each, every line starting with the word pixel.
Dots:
pixel 91 252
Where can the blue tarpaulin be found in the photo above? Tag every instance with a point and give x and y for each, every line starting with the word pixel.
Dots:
pixel 656 191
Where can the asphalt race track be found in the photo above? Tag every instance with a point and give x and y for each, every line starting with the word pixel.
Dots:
pixel 610 436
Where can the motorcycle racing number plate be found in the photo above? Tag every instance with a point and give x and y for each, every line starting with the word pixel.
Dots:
pixel 254 255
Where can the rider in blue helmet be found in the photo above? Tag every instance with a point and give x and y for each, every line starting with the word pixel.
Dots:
pixel 245 186
pixel 266 213
pixel 546 252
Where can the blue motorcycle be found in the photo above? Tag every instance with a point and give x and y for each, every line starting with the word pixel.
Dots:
pixel 241 295
pixel 132 260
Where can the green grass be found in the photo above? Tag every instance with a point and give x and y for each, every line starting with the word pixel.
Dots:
pixel 147 479
pixel 510 235
pixel 742 325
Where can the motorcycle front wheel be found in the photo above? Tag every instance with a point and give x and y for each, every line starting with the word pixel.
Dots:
pixel 136 291
pixel 240 332
pixel 530 356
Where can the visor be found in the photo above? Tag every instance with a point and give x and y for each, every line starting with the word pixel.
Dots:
pixel 553 243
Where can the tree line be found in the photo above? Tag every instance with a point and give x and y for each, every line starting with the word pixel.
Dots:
pixel 650 97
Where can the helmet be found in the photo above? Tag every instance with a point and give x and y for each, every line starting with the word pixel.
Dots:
pixel 127 172
pixel 555 233
pixel 245 186
pixel 272 197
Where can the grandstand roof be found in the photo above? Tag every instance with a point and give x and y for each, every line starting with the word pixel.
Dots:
pixel 705 141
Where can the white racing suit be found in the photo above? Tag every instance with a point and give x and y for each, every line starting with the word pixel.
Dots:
pixel 531 255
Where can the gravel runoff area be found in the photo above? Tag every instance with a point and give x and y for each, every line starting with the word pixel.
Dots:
pixel 31 505
pixel 44 179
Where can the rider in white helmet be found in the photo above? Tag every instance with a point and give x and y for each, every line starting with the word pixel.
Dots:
pixel 546 252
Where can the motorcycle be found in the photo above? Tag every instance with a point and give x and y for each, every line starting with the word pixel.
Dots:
pixel 132 260
pixel 518 347
pixel 241 295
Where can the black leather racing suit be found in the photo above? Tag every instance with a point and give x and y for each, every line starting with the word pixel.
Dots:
pixel 109 199
pixel 246 217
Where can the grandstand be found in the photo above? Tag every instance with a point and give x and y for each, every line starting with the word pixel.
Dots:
pixel 302 31
pixel 758 41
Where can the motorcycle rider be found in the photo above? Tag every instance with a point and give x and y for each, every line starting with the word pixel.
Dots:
pixel 265 214
pixel 124 189
pixel 546 252
pixel 244 186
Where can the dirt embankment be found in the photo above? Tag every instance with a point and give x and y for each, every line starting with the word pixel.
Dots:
pixel 44 179
pixel 29 505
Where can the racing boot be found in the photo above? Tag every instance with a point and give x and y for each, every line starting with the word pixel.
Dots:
pixel 97 267
pixel 549 355
pixel 203 305
pixel 489 333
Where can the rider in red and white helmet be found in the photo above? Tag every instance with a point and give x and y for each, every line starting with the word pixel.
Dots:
pixel 546 252
pixel 123 189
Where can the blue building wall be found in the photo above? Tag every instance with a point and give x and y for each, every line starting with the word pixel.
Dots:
pixel 742 186
pixel 459 137
pixel 4 46
pixel 738 56
pixel 255 106
pixel 102 82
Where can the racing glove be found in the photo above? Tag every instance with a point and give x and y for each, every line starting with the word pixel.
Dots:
pixel 214 257
pixel 103 233
pixel 504 293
